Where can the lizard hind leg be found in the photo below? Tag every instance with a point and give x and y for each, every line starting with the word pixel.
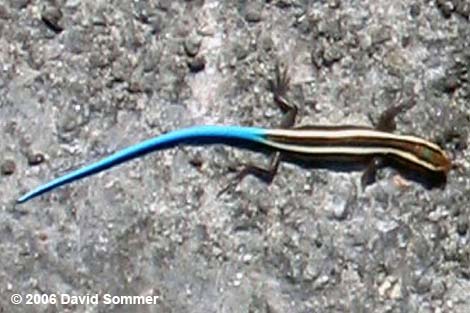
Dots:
pixel 279 88
pixel 264 174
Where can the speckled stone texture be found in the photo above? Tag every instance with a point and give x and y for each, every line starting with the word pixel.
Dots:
pixel 82 79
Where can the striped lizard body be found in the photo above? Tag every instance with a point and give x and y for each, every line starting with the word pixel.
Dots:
pixel 353 141
pixel 364 145
pixel 303 142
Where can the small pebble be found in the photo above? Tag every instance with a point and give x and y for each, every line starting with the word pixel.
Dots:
pixel 197 64
pixel 446 7
pixel 462 226
pixel 192 45
pixel 253 11
pixel 8 167
pixel 51 16
pixel 36 158
pixel 415 10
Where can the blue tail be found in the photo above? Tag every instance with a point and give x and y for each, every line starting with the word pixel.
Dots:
pixel 192 135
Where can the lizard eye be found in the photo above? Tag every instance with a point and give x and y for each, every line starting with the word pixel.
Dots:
pixel 438 160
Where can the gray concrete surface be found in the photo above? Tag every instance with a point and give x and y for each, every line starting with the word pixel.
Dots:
pixel 81 79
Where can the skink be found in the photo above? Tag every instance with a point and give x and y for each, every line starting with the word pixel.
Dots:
pixel 312 142
pixel 362 144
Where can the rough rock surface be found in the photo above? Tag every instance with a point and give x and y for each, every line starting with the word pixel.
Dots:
pixel 81 79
